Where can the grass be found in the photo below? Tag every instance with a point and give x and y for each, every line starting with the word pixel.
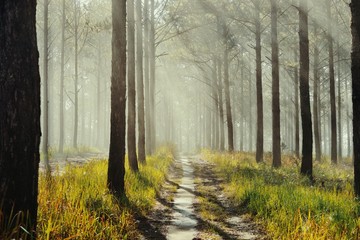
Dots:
pixel 76 205
pixel 287 204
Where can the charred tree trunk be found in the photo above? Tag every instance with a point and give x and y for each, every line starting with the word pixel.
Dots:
pixel 332 90
pixel 259 94
pixel 140 84
pixel 131 120
pixel 316 99
pixel 275 87
pixel 306 162
pixel 355 70
pixel 19 117
pixel 116 167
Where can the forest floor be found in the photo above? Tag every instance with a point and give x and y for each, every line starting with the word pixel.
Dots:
pixel 211 211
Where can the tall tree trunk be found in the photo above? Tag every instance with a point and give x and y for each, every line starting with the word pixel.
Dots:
pixel 259 94
pixel 306 162
pixel 62 70
pixel 19 116
pixel 116 166
pixel 316 97
pixel 147 77
pixel 227 101
pixel 152 77
pixel 276 138
pixel 332 89
pixel 140 84
pixel 45 133
pixel 297 108
pixel 216 105
pixel 76 90
pixel 340 143
pixel 221 107
pixel 131 116
pixel 355 70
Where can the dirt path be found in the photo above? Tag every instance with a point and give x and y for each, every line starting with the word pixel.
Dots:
pixel 192 206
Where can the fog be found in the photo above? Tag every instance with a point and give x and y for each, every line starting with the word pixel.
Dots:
pixel 191 39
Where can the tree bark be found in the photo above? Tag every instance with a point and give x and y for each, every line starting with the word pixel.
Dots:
pixel 259 94
pixel 116 167
pixel 316 98
pixel 62 71
pixel 140 84
pixel 306 163
pixel 332 89
pixel 227 101
pixel 355 71
pixel 131 116
pixel 340 143
pixel 275 88
pixel 19 116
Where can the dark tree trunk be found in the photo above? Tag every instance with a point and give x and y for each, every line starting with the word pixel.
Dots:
pixel 45 82
pixel 259 94
pixel 332 90
pixel 140 84
pixel 349 153
pixel 227 101
pixel 340 143
pixel 62 70
pixel 116 167
pixel 131 116
pixel 297 109
pixel 306 162
pixel 355 70
pixel 316 98
pixel 19 115
pixel 221 107
pixel 275 87
pixel 242 108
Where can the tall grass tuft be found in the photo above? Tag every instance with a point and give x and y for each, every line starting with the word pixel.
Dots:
pixel 76 204
pixel 289 205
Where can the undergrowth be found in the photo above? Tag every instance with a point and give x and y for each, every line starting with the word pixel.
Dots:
pixel 76 204
pixel 288 204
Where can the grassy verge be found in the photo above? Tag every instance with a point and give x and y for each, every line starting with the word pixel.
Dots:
pixel 76 205
pixel 286 203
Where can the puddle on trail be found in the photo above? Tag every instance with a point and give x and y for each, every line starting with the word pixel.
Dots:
pixel 184 221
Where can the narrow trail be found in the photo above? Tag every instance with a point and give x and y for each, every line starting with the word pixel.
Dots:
pixel 183 225
pixel 193 206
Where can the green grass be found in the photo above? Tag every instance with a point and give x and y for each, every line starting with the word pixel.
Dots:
pixel 287 204
pixel 76 205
